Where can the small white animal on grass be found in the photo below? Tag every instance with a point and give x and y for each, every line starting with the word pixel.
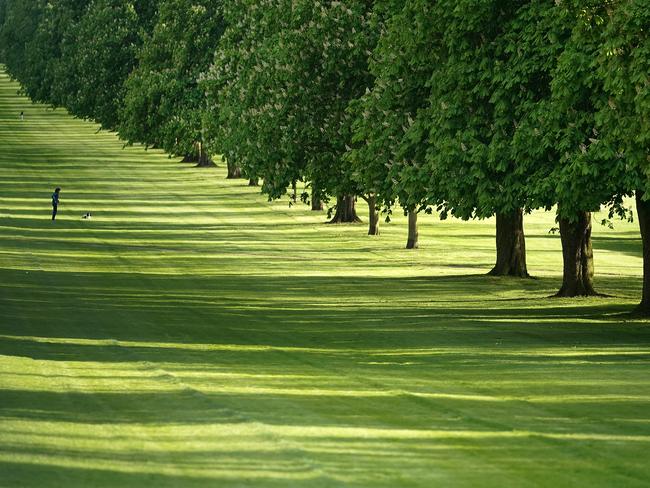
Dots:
pixel 87 215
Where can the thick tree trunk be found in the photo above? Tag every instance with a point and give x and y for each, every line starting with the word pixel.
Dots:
pixel 511 246
pixel 345 211
pixel 253 182
pixel 316 203
pixel 204 160
pixel 294 192
pixel 234 171
pixel 373 227
pixel 412 241
pixel 578 257
pixel 643 214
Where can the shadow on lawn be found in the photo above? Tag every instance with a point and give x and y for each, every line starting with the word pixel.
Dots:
pixel 301 310
pixel 280 440
pixel 285 355
pixel 262 470
pixel 347 462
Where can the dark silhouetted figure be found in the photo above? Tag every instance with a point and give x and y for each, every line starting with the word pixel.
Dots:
pixel 55 202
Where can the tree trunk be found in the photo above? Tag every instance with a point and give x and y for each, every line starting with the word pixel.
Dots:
pixel 190 158
pixel 412 241
pixel 204 160
pixel 373 227
pixel 578 256
pixel 316 203
pixel 643 214
pixel 234 171
pixel 345 211
pixel 253 182
pixel 294 192
pixel 511 246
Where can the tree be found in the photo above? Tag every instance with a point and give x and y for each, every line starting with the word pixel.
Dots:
pixel 34 33
pixel 622 62
pixel 470 169
pixel 234 80
pixel 19 25
pixel 574 168
pixel 97 55
pixel 3 16
pixel 401 64
pixel 432 126
pixel 75 53
pixel 281 82
pixel 164 103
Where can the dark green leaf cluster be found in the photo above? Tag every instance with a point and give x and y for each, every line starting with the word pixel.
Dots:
pixel 282 80
pixel 164 103
pixel 485 107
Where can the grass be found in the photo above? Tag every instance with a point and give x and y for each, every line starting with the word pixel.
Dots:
pixel 194 334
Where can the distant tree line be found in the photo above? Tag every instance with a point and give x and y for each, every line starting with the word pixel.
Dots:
pixel 463 108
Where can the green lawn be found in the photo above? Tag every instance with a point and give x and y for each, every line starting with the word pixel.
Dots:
pixel 193 334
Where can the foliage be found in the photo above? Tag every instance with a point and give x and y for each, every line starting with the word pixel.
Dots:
pixel 574 167
pixel 471 108
pixel 18 26
pixel 43 50
pixel 481 108
pixel 401 65
pixel 164 103
pixel 97 56
pixel 282 81
pixel 623 63
pixel 233 82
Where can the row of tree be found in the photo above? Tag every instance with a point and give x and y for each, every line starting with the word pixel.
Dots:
pixel 464 108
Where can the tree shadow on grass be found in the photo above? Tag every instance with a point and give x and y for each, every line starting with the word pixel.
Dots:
pixel 289 310
pixel 280 440
pixel 326 462
pixel 291 354
pixel 139 472
pixel 631 246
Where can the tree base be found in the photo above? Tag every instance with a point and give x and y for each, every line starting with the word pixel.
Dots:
pixel 641 311
pixel 234 172
pixel 410 244
pixel 573 293
pixel 206 164
pixel 342 220
pixel 345 211
pixel 510 272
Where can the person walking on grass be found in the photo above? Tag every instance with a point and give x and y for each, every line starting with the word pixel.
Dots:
pixel 55 201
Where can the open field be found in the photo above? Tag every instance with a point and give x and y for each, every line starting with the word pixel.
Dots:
pixel 193 334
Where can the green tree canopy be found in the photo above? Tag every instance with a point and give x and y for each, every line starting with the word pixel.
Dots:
pixel 164 103
pixel 97 55
pixel 282 81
